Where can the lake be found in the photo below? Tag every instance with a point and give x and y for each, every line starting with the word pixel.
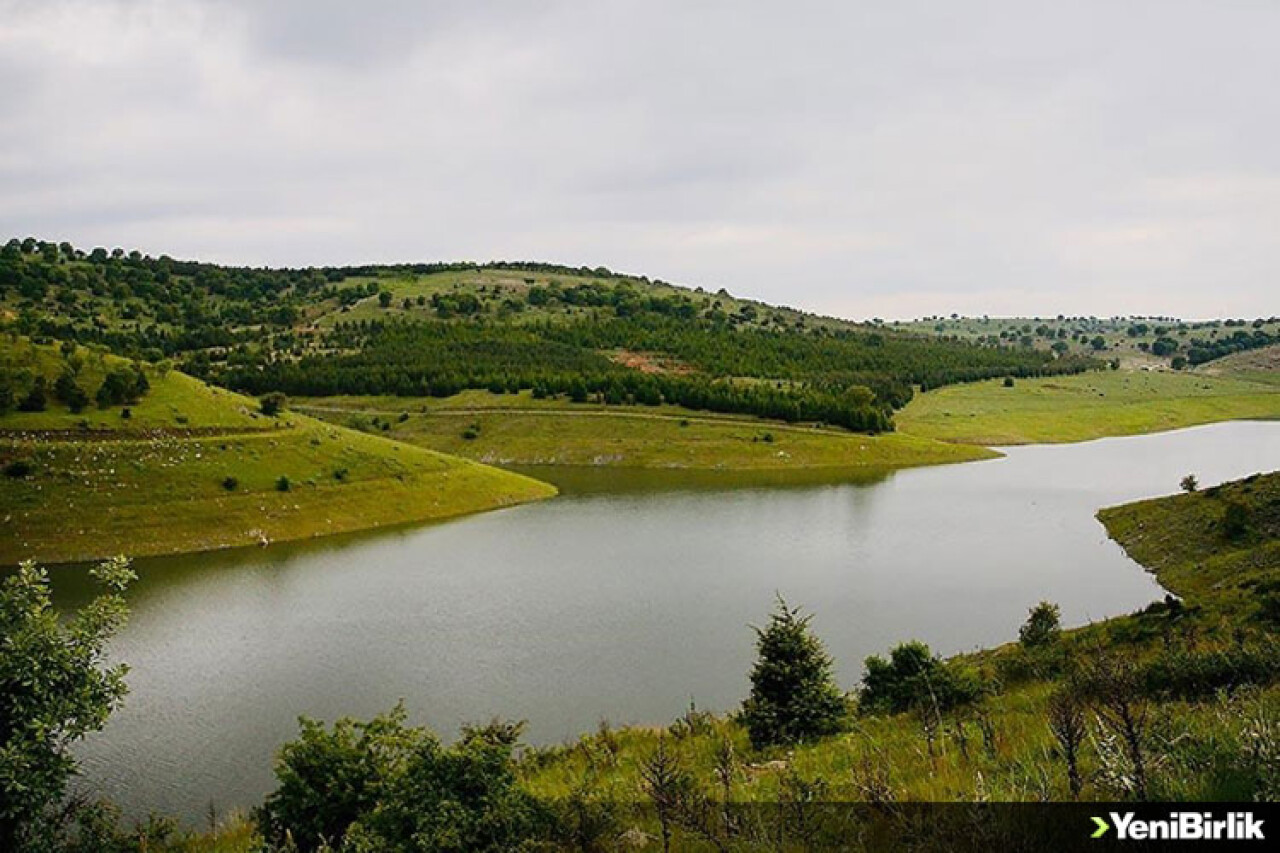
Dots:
pixel 624 599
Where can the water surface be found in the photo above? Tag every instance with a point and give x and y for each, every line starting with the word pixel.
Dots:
pixel 623 599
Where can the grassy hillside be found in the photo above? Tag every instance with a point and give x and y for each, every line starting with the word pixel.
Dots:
pixel 1219 547
pixel 1202 743
pixel 1086 406
pixel 197 468
pixel 515 429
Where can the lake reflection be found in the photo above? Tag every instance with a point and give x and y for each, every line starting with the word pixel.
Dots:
pixel 622 599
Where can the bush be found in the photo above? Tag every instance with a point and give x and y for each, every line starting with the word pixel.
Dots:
pixel 1189 483
pixel 794 696
pixel 472 432
pixel 1043 625
pixel 1235 520
pixel 1008 382
pixel 272 404
pixel 18 469
pixel 230 484
pixel 1188 674
pixel 37 399
pixel 384 786
pixel 56 689
pixel 283 485
pixel 913 676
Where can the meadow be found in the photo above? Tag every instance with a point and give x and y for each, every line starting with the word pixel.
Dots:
pixel 515 429
pixel 1086 406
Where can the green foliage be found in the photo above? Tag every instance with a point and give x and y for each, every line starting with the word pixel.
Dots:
pixel 794 696
pixel 230 483
pixel 1189 483
pixel 1187 673
pixel 914 677
pixel 54 690
pixel 283 484
pixel 1043 625
pixel 36 399
pixel 384 786
pixel 17 469
pixel 1235 519
pixel 329 778
pixel 272 403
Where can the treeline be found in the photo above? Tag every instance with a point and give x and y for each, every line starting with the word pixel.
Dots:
pixel 440 360
pixel 1201 350
pixel 845 378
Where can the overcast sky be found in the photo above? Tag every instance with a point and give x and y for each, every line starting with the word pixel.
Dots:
pixel 889 159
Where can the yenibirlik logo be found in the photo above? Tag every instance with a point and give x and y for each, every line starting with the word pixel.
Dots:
pixel 1182 826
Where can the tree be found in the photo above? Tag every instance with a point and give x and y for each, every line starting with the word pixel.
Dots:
pixel 1043 625
pixel 384 299
pixel 1190 483
pixel 794 696
pixel 69 391
pixel 37 398
pixel 272 404
pixel 54 690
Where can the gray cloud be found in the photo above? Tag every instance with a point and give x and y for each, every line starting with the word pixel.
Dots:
pixel 858 159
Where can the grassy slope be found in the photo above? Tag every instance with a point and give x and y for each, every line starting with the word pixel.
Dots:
pixel 518 430
pixel 1183 540
pixel 1087 406
pixel 145 486
pixel 1179 538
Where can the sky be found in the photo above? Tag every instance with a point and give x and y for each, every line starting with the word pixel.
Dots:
pixel 858 159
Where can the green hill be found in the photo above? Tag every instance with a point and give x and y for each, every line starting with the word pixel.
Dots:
pixel 197 468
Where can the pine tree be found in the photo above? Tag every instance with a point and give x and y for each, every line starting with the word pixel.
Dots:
pixel 794 696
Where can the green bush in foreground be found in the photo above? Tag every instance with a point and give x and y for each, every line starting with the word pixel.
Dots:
pixel 794 696
pixel 54 690
pixel 388 787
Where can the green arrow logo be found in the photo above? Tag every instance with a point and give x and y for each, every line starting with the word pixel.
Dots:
pixel 1102 828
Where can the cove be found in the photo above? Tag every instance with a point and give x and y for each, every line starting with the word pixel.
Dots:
pixel 624 599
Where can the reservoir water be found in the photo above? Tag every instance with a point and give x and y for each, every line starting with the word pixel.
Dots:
pixel 623 599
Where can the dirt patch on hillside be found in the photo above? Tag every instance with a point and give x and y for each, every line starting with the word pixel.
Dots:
pixel 649 362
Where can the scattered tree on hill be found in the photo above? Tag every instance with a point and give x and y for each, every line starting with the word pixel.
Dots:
pixel 1190 483
pixel 54 690
pixel 272 404
pixel 37 399
pixel 794 696
pixel 1043 625
pixel 68 390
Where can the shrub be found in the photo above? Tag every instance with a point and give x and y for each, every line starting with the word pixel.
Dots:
pixel 19 468
pixel 794 696
pixel 282 485
pixel 37 399
pixel 1043 625
pixel 272 404
pixel 472 432
pixel 341 475
pixel 914 676
pixel 230 484
pixel 1189 483
pixel 382 785
pixel 1008 382
pixel 1190 674
pixel 1235 520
